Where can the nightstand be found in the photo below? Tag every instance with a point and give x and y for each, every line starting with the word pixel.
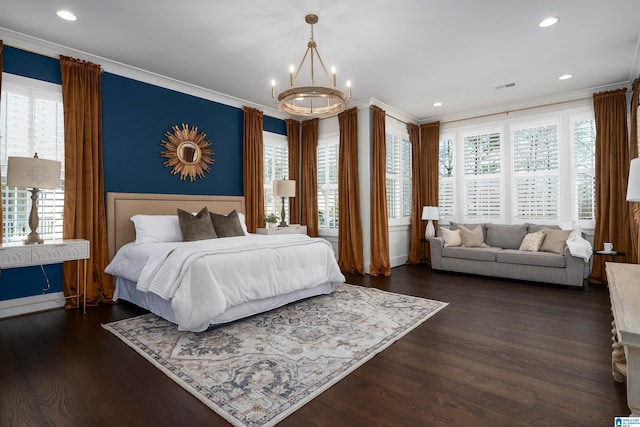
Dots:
pixel 291 229
pixel 15 255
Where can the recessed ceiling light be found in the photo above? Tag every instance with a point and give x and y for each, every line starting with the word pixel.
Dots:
pixel 66 15
pixel 547 22
pixel 565 77
pixel 437 104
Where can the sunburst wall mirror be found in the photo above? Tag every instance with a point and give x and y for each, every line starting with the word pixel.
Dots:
pixel 188 152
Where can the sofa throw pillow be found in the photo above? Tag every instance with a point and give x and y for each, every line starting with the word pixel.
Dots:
pixel 472 238
pixel 505 236
pixel 554 240
pixel 227 225
pixel 196 227
pixel 455 226
pixel 532 241
pixel 451 237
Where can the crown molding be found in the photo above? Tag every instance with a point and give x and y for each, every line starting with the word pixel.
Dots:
pixel 54 50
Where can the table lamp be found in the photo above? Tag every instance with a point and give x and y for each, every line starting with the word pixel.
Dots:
pixel 429 213
pixel 36 174
pixel 284 188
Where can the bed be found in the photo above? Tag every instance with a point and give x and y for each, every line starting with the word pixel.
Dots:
pixel 203 283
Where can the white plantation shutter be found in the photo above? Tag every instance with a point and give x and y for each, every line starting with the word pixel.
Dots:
pixel 31 121
pixel 584 144
pixel 398 174
pixel 446 179
pixel 482 180
pixel 536 188
pixel 275 161
pixel 328 184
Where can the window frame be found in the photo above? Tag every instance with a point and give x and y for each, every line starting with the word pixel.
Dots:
pixel 50 202
pixel 329 139
pixel 275 140
pixel 398 130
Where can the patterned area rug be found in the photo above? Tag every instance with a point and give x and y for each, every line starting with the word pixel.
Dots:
pixel 256 371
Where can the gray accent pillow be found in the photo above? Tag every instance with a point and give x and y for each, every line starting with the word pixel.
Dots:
pixel 505 236
pixel 554 240
pixel 196 227
pixel 537 227
pixel 227 225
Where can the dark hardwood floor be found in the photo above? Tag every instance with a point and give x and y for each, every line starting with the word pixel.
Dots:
pixel 502 353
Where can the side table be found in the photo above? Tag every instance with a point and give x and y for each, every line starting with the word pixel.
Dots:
pixel 14 255
pixel 291 229
pixel 602 257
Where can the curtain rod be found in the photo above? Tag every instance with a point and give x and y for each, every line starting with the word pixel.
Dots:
pixel 520 109
pixel 389 115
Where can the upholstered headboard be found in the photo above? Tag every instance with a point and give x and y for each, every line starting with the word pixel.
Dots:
pixel 122 206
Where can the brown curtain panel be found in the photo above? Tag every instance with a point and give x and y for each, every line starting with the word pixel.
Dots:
pixel 380 264
pixel 252 169
pixel 612 172
pixel 350 247
pixel 634 207
pixel 1 225
pixel 429 170
pixel 309 176
pixel 293 137
pixel 417 230
pixel 84 212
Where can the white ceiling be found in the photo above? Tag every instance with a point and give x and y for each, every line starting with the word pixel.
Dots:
pixel 407 54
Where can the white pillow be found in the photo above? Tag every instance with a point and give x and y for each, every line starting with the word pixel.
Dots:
pixel 157 228
pixel 451 237
pixel 243 223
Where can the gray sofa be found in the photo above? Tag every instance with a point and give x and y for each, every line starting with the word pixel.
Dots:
pixel 502 257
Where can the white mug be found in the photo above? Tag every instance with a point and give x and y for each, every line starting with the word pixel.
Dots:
pixel 608 247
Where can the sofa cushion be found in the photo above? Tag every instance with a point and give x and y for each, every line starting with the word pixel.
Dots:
pixel 456 226
pixel 505 236
pixel 532 241
pixel 543 259
pixel 451 237
pixel 554 240
pixel 478 254
pixel 472 238
pixel 537 227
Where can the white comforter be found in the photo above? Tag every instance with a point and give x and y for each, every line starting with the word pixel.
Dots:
pixel 204 278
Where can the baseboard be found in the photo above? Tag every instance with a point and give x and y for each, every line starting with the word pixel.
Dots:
pixel 18 306
pixel 398 261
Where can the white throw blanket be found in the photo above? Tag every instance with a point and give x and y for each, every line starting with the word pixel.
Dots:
pixel 578 245
pixel 204 278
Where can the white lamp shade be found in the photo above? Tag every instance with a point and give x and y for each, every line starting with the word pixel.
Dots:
pixel 633 187
pixel 30 172
pixel 430 212
pixel 284 188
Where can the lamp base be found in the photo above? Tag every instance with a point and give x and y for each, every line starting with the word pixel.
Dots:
pixel 33 239
pixel 282 223
pixel 430 231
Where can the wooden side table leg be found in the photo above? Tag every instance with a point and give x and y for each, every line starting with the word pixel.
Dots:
pixel 618 360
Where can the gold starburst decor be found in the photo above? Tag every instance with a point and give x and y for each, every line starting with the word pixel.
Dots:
pixel 187 152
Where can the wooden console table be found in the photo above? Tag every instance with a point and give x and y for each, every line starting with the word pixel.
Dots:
pixel 15 255
pixel 624 290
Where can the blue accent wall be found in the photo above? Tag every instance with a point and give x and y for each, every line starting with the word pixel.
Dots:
pixel 135 118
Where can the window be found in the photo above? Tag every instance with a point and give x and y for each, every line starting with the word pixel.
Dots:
pixel 398 176
pixel 446 178
pixel 275 166
pixel 583 129
pixel 31 121
pixel 482 175
pixel 536 175
pixel 328 184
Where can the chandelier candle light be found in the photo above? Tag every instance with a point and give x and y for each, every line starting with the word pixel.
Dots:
pixel 284 188
pixel 429 213
pixel 312 101
pixel 34 173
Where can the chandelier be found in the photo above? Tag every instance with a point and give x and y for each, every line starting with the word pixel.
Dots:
pixel 313 100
